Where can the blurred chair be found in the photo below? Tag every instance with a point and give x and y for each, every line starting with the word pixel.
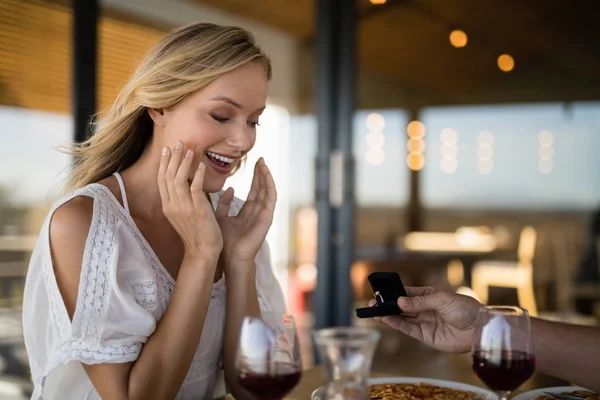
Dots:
pixel 455 274
pixel 566 254
pixel 589 290
pixel 509 274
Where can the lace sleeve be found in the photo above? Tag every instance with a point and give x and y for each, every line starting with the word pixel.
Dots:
pixel 109 325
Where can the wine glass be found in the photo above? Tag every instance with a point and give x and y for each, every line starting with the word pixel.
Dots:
pixel 503 349
pixel 268 362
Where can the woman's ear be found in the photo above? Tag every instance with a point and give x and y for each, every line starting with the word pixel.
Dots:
pixel 157 115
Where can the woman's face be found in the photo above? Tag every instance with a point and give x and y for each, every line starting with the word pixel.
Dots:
pixel 218 122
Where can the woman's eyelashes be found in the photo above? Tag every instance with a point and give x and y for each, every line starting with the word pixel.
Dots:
pixel 221 119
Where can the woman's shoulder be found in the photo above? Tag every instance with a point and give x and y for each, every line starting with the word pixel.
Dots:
pixel 77 215
pixel 72 218
pixel 79 203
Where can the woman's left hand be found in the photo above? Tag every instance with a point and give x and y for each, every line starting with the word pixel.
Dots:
pixel 244 234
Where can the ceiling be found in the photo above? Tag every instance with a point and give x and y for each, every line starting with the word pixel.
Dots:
pixel 555 45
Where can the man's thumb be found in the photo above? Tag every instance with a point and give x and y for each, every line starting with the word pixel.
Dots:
pixel 418 304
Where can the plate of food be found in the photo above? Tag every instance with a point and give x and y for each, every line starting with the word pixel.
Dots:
pixel 577 391
pixel 405 388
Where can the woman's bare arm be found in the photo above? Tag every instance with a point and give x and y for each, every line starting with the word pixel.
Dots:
pixel 165 358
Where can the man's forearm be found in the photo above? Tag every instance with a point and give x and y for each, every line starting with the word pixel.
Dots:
pixel 569 352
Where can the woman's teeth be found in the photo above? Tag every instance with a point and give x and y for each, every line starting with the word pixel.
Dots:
pixel 220 158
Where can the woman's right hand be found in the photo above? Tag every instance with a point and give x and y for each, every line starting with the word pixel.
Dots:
pixel 186 206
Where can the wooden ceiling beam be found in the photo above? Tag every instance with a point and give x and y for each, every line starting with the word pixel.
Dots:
pixel 365 13
pixel 373 10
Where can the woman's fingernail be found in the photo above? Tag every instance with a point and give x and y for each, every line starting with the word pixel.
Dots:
pixel 189 153
pixel 179 145
pixel 165 151
pixel 201 165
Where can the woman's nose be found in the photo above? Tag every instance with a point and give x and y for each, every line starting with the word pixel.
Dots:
pixel 241 139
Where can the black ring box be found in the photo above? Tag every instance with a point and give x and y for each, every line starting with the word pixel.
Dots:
pixel 387 287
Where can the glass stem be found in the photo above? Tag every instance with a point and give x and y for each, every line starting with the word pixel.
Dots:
pixel 502 395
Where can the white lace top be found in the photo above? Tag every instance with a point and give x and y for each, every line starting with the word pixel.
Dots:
pixel 123 292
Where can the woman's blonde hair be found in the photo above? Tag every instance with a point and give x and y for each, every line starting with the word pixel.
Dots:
pixel 186 60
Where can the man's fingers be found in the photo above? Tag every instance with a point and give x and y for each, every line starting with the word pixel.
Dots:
pixel 404 325
pixel 419 290
pixel 418 304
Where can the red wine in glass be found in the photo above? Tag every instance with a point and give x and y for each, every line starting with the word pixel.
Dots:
pixel 503 371
pixel 270 385
pixel 268 361
pixel 503 348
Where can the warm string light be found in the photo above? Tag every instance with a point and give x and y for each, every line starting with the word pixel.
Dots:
pixel 545 151
pixel 485 152
pixel 458 38
pixel 449 150
pixel 375 139
pixel 506 62
pixel 415 146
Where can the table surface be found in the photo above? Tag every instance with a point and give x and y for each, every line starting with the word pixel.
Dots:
pixel 398 355
pixel 313 378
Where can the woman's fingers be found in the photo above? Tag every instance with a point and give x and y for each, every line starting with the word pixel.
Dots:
pixel 262 198
pixel 271 190
pixel 250 207
pixel 172 169
pixel 262 189
pixel 162 170
pixel 181 180
pixel 224 203
pixel 253 194
pixel 198 196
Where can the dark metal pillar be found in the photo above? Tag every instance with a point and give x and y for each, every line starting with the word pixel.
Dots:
pixel 325 110
pixel 334 104
pixel 414 203
pixel 414 211
pixel 85 45
pixel 345 211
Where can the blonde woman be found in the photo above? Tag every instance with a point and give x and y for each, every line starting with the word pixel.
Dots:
pixel 125 295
